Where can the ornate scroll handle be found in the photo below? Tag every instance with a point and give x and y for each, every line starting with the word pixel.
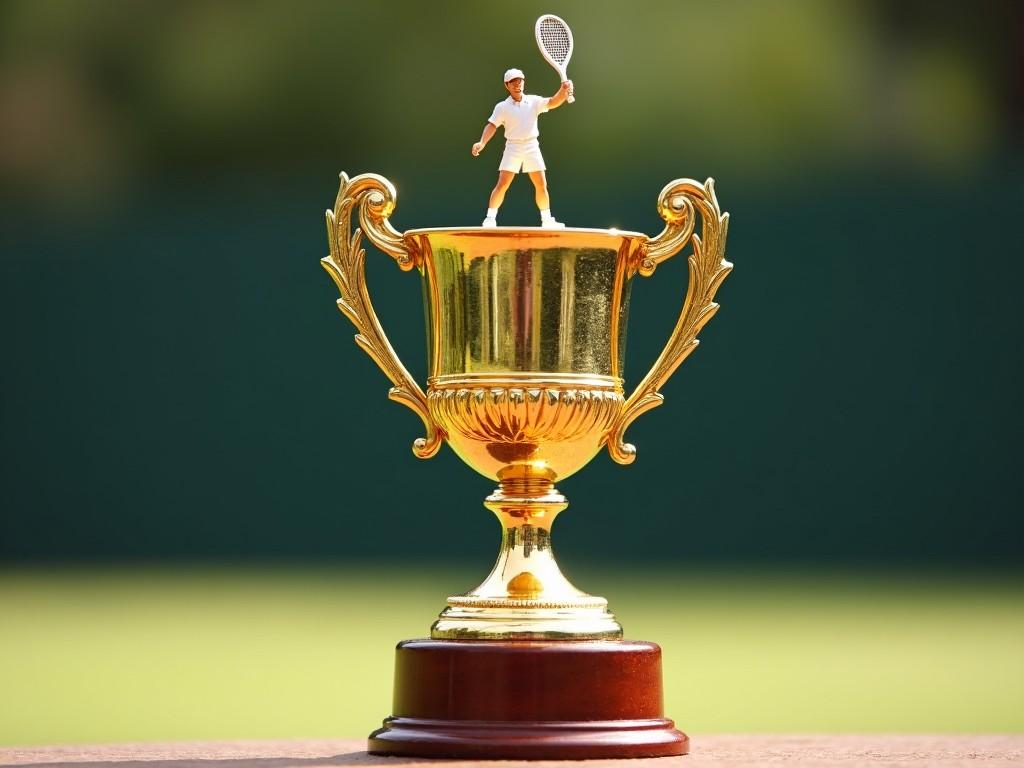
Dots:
pixel 346 264
pixel 708 268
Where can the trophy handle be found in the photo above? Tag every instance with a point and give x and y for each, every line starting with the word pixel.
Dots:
pixel 708 268
pixel 375 197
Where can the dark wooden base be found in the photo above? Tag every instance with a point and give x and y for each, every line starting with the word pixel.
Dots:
pixel 528 700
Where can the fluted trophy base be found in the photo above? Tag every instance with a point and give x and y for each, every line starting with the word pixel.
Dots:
pixel 528 700
pixel 526 596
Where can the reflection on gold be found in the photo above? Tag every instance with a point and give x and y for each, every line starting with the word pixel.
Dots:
pixel 526 300
pixel 526 338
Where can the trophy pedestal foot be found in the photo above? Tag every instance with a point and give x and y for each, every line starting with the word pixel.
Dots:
pixel 528 700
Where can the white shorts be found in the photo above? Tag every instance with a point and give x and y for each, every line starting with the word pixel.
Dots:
pixel 522 155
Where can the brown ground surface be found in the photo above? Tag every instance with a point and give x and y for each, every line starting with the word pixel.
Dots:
pixel 757 750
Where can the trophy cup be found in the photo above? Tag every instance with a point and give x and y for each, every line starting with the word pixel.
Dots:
pixel 526 333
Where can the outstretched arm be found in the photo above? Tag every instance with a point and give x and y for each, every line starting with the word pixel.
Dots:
pixel 560 96
pixel 486 136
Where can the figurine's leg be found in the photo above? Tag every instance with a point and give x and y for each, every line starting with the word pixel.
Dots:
pixel 498 193
pixel 540 187
pixel 497 197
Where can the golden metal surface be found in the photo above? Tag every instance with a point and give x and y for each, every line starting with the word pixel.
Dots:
pixel 346 264
pixel 708 268
pixel 526 596
pixel 525 300
pixel 553 426
pixel 526 336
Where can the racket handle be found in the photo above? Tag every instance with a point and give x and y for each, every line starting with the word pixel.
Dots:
pixel 571 97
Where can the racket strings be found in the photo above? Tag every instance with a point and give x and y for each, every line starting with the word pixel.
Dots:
pixel 555 39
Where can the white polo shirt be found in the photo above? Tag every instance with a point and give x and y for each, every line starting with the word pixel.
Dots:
pixel 519 117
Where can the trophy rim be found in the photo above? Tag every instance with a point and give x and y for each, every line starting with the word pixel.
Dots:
pixel 513 379
pixel 533 231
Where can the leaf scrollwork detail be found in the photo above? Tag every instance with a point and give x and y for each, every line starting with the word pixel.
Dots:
pixel 374 197
pixel 677 205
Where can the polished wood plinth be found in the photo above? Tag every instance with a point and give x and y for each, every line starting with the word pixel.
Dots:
pixel 528 700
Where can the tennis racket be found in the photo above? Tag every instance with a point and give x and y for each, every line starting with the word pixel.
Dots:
pixel 554 38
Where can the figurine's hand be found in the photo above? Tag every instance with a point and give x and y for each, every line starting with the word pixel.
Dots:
pixel 478 148
pixel 567 87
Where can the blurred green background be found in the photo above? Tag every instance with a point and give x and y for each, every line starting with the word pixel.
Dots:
pixel 211 525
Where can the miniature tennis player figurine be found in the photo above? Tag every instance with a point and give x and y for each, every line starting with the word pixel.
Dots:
pixel 518 114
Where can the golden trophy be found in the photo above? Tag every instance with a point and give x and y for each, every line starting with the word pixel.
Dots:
pixel 526 332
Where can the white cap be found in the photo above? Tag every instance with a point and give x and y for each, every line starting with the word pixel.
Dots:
pixel 512 74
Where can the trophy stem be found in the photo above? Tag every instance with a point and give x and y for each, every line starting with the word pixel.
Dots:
pixel 526 596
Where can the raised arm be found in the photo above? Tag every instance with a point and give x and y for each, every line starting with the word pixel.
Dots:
pixel 486 136
pixel 560 96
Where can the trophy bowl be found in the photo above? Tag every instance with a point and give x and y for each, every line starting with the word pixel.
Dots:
pixel 526 339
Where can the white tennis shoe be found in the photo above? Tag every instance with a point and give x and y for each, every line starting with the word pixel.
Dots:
pixel 489 223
